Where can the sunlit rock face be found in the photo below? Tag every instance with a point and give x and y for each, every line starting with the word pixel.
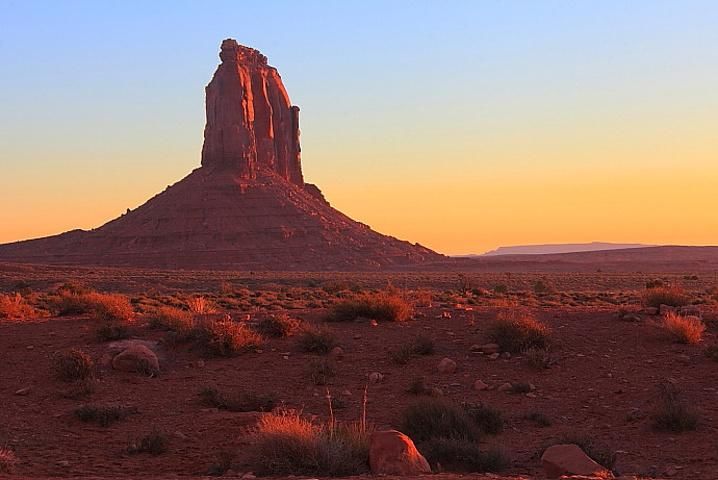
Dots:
pixel 251 124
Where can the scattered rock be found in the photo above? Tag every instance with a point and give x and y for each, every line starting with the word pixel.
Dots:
pixel 393 453
pixel 506 355
pixel 445 314
pixel 569 459
pixel 376 377
pixel 494 356
pixel 447 365
pixel 505 387
pixel 137 358
pixel 337 353
pixel 490 348
pixel 480 385
pixel 631 317
pixel 23 391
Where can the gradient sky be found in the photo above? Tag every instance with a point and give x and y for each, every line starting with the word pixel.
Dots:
pixel 459 125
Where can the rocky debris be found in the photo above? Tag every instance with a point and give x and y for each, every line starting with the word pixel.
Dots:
pixel 23 391
pixel 631 317
pixel 136 359
pixel 666 309
pixel 337 353
pixel 569 459
pixel 487 349
pixel 446 365
pixel 505 387
pixel 494 356
pixel 479 385
pixel 393 453
pixel 376 377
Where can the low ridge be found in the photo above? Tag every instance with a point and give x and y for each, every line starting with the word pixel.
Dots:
pixel 246 207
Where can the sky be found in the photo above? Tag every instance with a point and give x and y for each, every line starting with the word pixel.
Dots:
pixel 460 125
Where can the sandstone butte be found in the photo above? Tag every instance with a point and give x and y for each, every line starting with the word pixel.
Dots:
pixel 246 207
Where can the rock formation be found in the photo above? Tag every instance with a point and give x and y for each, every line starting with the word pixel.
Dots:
pixel 246 207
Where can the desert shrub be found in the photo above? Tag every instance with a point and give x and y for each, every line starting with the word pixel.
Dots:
pixel 459 455
pixel 712 352
pixel 222 464
pixel 599 452
pixel 436 418
pixel 317 340
pixel 8 460
pixel 286 444
pixel 655 283
pixel 539 419
pixel 279 325
pixel 104 415
pixel 237 402
pixel 520 387
pixel 110 331
pixel 501 289
pixel 538 358
pixel 73 365
pixel 543 287
pixel 79 390
pixel 172 319
pixel 200 306
pixel 515 331
pixel 672 296
pixel 673 415
pixel 109 307
pixel 381 306
pixel 489 420
pixel 321 371
pixel 225 338
pixel 683 329
pixel 15 307
pixel 154 443
pixel 421 345
pixel 418 386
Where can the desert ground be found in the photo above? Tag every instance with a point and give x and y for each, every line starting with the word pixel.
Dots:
pixel 605 369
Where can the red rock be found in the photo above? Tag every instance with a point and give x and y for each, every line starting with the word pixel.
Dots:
pixel 393 453
pixel 246 207
pixel 136 358
pixel 569 459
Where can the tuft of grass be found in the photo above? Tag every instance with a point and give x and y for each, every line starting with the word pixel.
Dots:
pixel 430 418
pixel 154 443
pixel 317 340
pixel 520 387
pixel 668 295
pixel 539 419
pixel 683 329
pixel 381 306
pixel 222 464
pixel 79 390
pixel 458 455
pixel 674 415
pixel 15 307
pixel 73 365
pixel 287 444
pixel 237 402
pixel 278 326
pixel 200 306
pixel 321 371
pixel 489 420
pixel 515 331
pixel 111 331
pixel 225 338
pixel 538 358
pixel 8 460
pixel 109 307
pixel 172 319
pixel 421 345
pixel 104 415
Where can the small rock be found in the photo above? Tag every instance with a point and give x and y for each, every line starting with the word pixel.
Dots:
pixel 447 365
pixel 393 453
pixel 445 314
pixel 504 387
pixel 180 435
pixel 346 393
pixel 436 392
pixel 30 347
pixel 631 317
pixel 490 348
pixel 23 391
pixel 137 358
pixel 373 323
pixel 337 353
pixel 531 395
pixel 63 463
pixel 200 363
pixel 494 356
pixel 506 355
pixel 480 385
pixel 376 377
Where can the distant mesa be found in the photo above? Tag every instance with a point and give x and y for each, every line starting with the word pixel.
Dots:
pixel 561 248
pixel 246 207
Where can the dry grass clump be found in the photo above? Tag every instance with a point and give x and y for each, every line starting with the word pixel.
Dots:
pixel 421 345
pixel 437 418
pixel 279 325
pixel 671 295
pixel 287 444
pixel 8 460
pixel 674 415
pixel 321 371
pixel 172 319
pixel 458 455
pixel 111 331
pixel 237 402
pixel 317 340
pixel 200 306
pixel 104 415
pixel 683 329
pixel 225 338
pixel 154 443
pixel 539 358
pixel 15 307
pixel 381 306
pixel 516 330
pixel 73 365
pixel 107 307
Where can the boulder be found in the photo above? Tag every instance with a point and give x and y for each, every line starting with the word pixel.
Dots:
pixel 569 459
pixel 136 358
pixel 447 365
pixel 393 453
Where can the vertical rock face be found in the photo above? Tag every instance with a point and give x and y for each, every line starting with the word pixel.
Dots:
pixel 251 124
